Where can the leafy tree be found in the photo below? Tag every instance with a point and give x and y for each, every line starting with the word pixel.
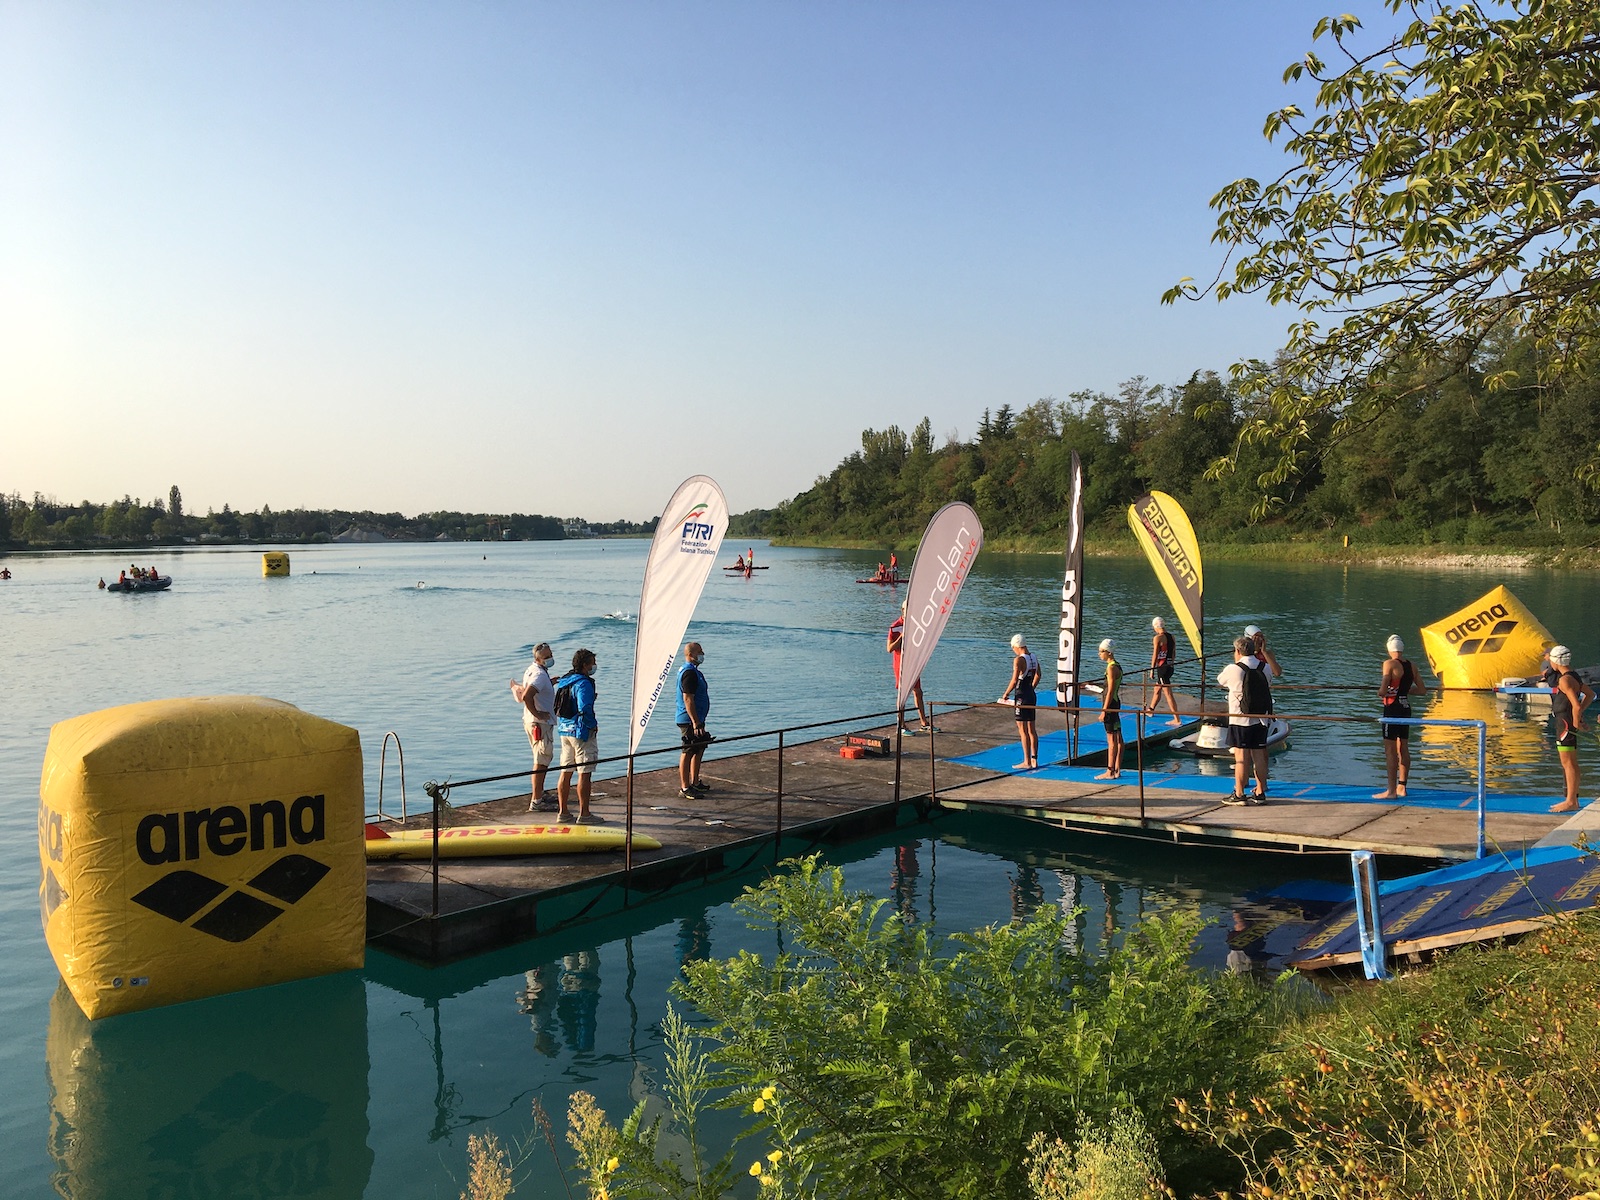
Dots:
pixel 175 503
pixel 1444 190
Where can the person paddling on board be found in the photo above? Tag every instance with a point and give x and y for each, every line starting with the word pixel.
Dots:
pixel 738 563
pixel 1571 697
pixel 894 566
pixel 1398 681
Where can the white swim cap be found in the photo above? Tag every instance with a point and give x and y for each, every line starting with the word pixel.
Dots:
pixel 1157 623
pixel 1016 640
pixel 1395 643
pixel 1560 656
pixel 1251 630
pixel 1108 644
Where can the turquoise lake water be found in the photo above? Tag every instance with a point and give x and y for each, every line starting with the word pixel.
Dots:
pixel 369 1083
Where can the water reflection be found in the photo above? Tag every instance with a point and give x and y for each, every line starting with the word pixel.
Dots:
pixel 261 1093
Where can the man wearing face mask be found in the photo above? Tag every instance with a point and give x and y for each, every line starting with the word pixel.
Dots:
pixel 694 703
pixel 537 695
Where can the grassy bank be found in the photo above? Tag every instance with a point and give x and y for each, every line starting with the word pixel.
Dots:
pixel 1100 543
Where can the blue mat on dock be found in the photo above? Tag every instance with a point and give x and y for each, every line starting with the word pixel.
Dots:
pixel 1092 739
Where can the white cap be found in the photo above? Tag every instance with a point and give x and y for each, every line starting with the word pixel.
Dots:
pixel 1560 656
pixel 1016 640
pixel 1157 623
pixel 1395 643
pixel 1251 630
pixel 1108 644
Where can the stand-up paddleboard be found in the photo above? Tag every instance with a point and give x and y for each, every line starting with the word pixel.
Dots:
pixel 487 841
pixel 1211 741
pixel 892 581
pixel 741 570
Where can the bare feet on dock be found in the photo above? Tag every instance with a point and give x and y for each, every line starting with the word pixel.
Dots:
pixel 1108 774
pixel 1384 796
pixel 1565 806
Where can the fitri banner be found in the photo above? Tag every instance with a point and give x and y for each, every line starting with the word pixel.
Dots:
pixel 944 558
pixel 682 554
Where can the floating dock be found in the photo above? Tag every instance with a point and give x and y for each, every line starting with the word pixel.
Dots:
pixel 759 812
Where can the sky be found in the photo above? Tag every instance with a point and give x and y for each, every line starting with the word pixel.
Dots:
pixel 557 257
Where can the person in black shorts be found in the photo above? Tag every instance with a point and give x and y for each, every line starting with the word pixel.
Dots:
pixel 1571 697
pixel 1399 681
pixel 694 704
pixel 1163 650
pixel 1021 691
pixel 1111 716
pixel 1247 722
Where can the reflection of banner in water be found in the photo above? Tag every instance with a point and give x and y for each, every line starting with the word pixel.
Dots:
pixel 1069 652
pixel 255 1093
pixel 1512 741
pixel 681 557
pixel 1164 533
pixel 951 543
pixel 1495 637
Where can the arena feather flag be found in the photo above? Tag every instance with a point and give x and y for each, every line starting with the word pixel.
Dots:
pixel 944 557
pixel 1069 652
pixel 681 557
pixel 1164 533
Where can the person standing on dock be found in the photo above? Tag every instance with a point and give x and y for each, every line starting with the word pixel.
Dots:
pixel 1111 710
pixel 1572 696
pixel 694 703
pixel 537 695
pixel 1249 714
pixel 1024 698
pixel 579 738
pixel 1163 650
pixel 1258 649
pixel 1399 680
pixel 897 629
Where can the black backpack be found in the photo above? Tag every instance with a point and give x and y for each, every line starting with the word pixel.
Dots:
pixel 1257 692
pixel 567 696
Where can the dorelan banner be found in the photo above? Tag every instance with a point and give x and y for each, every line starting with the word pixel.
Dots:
pixel 944 558
pixel 1162 529
pixel 1070 650
pixel 681 557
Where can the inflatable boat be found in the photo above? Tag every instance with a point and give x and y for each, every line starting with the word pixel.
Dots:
pixel 1211 741
pixel 488 841
pixel 141 585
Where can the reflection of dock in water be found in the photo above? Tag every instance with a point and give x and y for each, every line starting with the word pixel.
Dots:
pixel 828 800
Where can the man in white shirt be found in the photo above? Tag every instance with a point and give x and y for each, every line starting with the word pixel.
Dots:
pixel 1246 679
pixel 537 695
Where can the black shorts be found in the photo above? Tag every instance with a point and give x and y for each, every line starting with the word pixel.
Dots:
pixel 692 740
pixel 1396 733
pixel 1566 737
pixel 1164 674
pixel 1112 719
pixel 1024 705
pixel 1247 737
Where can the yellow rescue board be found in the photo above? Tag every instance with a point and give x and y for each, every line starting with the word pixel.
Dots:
pixel 484 841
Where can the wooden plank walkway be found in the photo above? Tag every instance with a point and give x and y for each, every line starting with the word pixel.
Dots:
pixel 485 903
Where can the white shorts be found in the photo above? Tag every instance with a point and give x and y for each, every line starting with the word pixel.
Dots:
pixel 581 754
pixel 544 747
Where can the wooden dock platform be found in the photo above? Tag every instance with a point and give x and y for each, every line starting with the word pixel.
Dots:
pixel 484 903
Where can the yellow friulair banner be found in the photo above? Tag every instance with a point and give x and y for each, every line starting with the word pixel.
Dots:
pixel 1495 637
pixel 199 846
pixel 1164 533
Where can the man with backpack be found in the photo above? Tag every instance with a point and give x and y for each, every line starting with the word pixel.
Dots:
pixel 1249 715
pixel 577 728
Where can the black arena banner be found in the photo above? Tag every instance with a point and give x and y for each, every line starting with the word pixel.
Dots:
pixel 1070 647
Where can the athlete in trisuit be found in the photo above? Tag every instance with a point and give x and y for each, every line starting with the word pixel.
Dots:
pixel 1162 654
pixel 1398 681
pixel 1572 696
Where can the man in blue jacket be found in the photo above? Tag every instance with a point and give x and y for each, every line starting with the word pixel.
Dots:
pixel 579 745
pixel 694 702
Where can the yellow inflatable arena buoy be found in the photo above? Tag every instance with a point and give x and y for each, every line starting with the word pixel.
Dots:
pixel 1490 639
pixel 492 841
pixel 274 564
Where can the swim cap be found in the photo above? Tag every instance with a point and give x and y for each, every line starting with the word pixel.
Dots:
pixel 1560 656
pixel 1108 644
pixel 1251 630
pixel 1157 623
pixel 1016 640
pixel 1395 643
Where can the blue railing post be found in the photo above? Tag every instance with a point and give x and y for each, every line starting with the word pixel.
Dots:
pixel 1483 784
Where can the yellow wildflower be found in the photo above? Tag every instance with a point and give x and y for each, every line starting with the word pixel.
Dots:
pixel 613 1163
pixel 769 1092
pixel 775 1156
pixel 758 1105
pixel 755 1168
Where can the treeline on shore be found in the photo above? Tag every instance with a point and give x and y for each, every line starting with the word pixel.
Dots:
pixel 1452 463
pixel 46 523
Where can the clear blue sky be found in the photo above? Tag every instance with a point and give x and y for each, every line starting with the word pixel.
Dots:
pixel 556 257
